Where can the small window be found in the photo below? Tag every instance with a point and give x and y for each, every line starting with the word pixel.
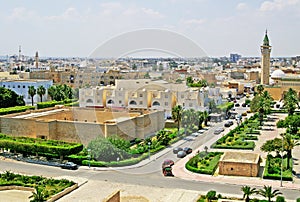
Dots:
pixel 120 101
pixel 166 103
pixel 23 86
pixel 4 86
pixel 141 102
pixel 18 86
pixel 141 95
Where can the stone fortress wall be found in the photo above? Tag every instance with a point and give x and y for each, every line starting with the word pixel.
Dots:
pixel 82 124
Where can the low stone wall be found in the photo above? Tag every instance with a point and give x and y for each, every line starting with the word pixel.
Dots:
pixel 64 192
pixel 114 197
pixel 13 187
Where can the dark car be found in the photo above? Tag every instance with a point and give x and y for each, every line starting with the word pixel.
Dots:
pixel 167 162
pixel 230 122
pixel 244 105
pixel 70 166
pixel 177 149
pixel 181 154
pixel 227 125
pixel 187 150
pixel 237 105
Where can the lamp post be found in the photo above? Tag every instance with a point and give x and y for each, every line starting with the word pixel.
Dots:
pixel 89 157
pixel 185 129
pixel 149 143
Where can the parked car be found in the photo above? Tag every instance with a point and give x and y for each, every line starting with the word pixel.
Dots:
pixel 227 124
pixel 218 131
pixel 230 122
pixel 237 105
pixel 177 149
pixel 181 154
pixel 195 134
pixel 70 166
pixel 167 162
pixel 187 150
pixel 244 105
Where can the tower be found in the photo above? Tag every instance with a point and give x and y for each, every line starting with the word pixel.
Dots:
pixel 36 60
pixel 19 57
pixel 265 60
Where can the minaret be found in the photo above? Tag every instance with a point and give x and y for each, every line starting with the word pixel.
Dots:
pixel 265 60
pixel 36 60
pixel 19 53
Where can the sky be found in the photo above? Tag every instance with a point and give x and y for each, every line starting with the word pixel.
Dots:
pixel 74 28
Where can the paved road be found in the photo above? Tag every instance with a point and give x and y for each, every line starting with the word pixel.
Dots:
pixel 154 179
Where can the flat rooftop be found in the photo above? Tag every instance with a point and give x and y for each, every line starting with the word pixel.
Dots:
pixel 240 157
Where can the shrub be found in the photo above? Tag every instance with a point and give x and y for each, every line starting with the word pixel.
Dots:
pixel 17 109
pixel 280 199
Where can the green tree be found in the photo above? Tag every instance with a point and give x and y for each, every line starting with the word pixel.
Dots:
pixel 289 144
pixel 248 191
pixel 41 91
pixel 269 193
pixel 292 123
pixel 163 137
pixel 51 92
pixel 291 101
pixel 205 117
pixel 31 92
pixel 210 195
pixel 272 145
pixel 260 89
pixel 200 119
pixel 103 150
pixel 119 142
pixel 38 195
pixel 177 115
pixel 189 80
pixel 9 98
pixel 212 106
pixel 134 67
pixel 261 103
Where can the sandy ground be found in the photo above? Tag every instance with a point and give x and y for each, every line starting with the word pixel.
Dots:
pixel 15 195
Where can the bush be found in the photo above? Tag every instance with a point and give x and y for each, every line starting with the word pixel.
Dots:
pixel 280 199
pixel 200 165
pixel 17 109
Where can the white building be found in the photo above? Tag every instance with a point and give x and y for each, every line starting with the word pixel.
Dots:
pixel 144 94
pixel 21 88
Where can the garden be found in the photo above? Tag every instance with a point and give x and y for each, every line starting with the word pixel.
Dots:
pixel 204 162
pixel 273 168
pixel 45 188
pixel 240 137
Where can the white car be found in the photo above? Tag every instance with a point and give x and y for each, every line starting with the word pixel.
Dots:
pixel 218 131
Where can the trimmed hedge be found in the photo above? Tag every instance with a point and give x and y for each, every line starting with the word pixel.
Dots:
pixel 209 168
pixel 287 175
pixel 39 146
pixel 16 109
pixel 42 105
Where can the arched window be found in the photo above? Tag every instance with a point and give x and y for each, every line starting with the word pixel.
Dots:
pixel 155 103
pixel 89 101
pixel 132 102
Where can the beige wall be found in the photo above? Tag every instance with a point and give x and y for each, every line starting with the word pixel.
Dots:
pixel 129 126
pixel 238 169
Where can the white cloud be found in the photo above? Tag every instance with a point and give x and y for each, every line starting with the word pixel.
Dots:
pixel 193 21
pixel 140 12
pixel 22 14
pixel 277 5
pixel 68 14
pixel 241 6
pixel 152 13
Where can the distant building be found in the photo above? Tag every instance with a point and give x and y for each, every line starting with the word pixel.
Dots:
pixel 234 57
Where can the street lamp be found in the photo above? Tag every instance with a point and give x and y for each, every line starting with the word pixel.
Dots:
pixel 281 161
pixel 185 129
pixel 149 143
pixel 89 157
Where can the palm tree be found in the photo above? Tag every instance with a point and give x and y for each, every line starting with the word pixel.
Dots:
pixel 31 92
pixel 200 119
pixel 38 195
pixel 289 145
pixel 268 193
pixel 290 101
pixel 177 115
pixel 260 89
pixel 41 91
pixel 248 192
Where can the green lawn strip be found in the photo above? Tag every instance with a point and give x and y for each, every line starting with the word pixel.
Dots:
pixel 273 169
pixel 204 163
pixel 17 109
pixel 49 186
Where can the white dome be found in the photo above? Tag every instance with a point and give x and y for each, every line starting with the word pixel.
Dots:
pixel 278 74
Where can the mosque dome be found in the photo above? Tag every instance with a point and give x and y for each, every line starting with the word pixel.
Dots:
pixel 278 74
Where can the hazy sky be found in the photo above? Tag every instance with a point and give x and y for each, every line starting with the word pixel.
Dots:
pixel 219 27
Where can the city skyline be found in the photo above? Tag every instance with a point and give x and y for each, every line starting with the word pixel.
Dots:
pixel 75 28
